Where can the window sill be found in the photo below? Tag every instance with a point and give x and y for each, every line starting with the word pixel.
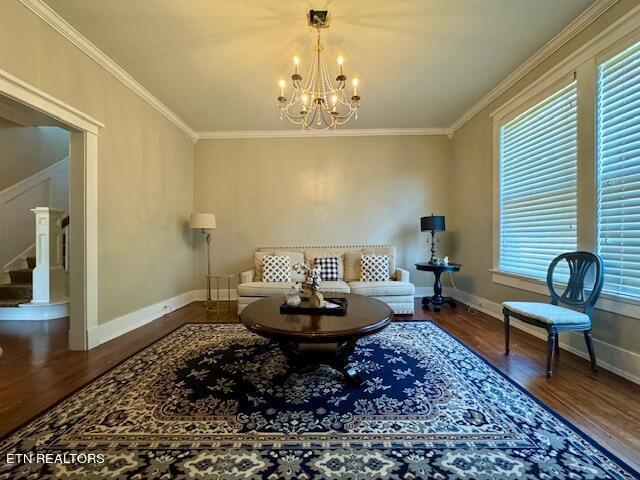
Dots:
pixel 607 301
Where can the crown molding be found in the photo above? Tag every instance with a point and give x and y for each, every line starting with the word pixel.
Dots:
pixel 60 25
pixel 586 18
pixel 355 132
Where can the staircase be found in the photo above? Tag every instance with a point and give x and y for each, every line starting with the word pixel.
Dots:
pixel 40 293
pixel 20 288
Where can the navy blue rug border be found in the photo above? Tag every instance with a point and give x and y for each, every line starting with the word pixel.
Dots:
pixel 558 416
pixel 550 410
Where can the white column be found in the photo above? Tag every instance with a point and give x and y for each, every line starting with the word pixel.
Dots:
pixel 49 282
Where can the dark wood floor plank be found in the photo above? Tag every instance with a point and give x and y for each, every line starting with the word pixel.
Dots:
pixel 37 370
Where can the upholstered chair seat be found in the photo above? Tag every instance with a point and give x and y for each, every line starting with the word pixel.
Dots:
pixel 547 313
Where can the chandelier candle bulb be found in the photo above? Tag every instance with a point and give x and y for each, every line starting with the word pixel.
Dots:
pixel 355 87
pixel 282 85
pixel 296 63
pixel 340 62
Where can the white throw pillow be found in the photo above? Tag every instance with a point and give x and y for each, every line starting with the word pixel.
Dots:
pixel 374 268
pixel 276 268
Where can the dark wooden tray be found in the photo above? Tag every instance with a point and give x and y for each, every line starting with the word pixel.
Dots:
pixel 305 309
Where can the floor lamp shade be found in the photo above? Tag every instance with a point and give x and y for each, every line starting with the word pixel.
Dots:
pixel 204 221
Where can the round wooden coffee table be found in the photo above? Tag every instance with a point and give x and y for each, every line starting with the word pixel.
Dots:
pixel 365 316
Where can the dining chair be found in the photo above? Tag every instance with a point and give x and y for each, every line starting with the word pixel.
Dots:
pixel 555 318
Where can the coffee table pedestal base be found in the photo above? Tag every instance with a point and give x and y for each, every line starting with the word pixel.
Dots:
pixel 338 359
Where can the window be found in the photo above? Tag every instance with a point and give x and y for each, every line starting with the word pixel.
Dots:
pixel 618 238
pixel 538 184
pixel 573 134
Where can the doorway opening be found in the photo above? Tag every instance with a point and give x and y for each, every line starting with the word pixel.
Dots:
pixel 61 260
pixel 34 212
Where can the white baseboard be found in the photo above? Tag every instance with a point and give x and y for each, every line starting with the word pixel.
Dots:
pixel 104 332
pixel 423 292
pixel 615 359
pixel 428 292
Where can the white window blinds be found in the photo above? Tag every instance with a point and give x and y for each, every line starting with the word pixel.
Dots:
pixel 619 171
pixel 538 185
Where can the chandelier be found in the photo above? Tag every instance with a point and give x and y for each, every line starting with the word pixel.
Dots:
pixel 318 103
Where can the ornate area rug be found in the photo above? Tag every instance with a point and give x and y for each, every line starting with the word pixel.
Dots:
pixel 212 402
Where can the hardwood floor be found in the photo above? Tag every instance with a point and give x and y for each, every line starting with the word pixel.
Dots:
pixel 37 370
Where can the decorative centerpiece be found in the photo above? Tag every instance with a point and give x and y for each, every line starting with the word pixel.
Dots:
pixel 311 301
pixel 311 285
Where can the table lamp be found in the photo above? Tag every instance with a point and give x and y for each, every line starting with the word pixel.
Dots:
pixel 205 222
pixel 433 224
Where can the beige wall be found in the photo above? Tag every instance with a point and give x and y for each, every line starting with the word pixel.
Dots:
pixel 472 166
pixel 27 150
pixel 145 166
pixel 320 191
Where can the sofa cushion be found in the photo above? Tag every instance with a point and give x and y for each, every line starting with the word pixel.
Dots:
pixel 352 258
pixel 263 289
pixel 395 298
pixel 377 289
pixel 338 287
pixel 266 289
pixel 295 257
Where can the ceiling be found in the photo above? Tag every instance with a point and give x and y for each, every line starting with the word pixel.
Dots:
pixel 216 63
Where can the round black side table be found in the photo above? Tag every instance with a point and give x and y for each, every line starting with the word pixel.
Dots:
pixel 438 300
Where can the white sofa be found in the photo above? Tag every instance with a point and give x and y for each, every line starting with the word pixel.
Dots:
pixel 397 292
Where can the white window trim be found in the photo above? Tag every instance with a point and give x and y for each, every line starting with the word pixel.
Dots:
pixel 582 61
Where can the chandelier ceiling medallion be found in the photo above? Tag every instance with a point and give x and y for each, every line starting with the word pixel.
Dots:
pixel 318 103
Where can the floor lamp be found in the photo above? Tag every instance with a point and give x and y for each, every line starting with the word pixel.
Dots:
pixel 205 222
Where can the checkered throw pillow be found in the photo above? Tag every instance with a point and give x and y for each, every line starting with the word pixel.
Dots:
pixel 375 268
pixel 328 268
pixel 276 269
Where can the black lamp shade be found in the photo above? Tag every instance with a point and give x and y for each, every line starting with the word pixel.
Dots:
pixel 433 223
